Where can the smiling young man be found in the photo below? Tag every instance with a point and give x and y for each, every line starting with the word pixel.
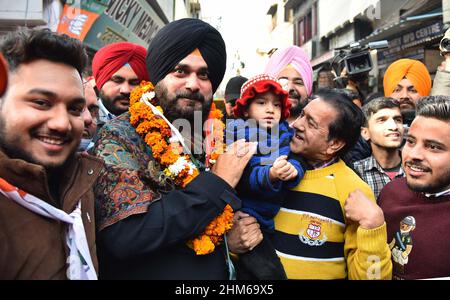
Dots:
pixel 46 205
pixel 383 129
pixel 423 197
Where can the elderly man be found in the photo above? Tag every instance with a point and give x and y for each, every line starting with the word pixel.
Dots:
pixel 423 197
pixel 321 232
pixel 292 67
pixel 117 69
pixel 46 197
pixel 407 80
pixel 148 216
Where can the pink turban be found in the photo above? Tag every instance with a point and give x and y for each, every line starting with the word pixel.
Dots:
pixel 109 59
pixel 296 57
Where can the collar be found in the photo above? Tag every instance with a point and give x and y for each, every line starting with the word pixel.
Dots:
pixel 440 194
pixel 324 164
pixel 104 114
pixel 82 170
pixel 371 163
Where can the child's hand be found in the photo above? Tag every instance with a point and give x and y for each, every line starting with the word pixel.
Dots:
pixel 282 170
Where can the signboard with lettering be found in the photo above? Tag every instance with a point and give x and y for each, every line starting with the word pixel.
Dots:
pixel 398 46
pixel 101 22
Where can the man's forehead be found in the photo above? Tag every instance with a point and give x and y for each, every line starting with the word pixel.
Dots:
pixel 405 82
pixel 388 111
pixel 321 109
pixel 194 61
pixel 289 73
pixel 126 71
pixel 430 129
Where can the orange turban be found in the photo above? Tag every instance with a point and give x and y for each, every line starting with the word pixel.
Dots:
pixel 413 70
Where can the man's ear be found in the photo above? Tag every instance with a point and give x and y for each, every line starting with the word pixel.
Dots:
pixel 365 133
pixel 334 146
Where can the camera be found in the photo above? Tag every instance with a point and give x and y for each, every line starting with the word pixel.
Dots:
pixel 356 58
pixel 445 43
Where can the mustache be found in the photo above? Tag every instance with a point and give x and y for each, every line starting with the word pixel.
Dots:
pixel 418 165
pixel 122 97
pixel 66 137
pixel 405 101
pixel 294 95
pixel 192 96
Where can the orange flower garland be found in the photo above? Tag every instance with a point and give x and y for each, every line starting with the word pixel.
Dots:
pixel 168 152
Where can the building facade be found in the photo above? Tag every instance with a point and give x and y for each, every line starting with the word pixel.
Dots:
pixel 413 29
pixel 97 22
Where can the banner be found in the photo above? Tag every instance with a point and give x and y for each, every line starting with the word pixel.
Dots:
pixel 76 22
pixel 101 22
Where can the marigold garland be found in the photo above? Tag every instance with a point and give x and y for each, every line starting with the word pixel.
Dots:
pixel 168 152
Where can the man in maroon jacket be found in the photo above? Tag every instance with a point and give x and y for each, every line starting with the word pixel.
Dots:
pixel 416 208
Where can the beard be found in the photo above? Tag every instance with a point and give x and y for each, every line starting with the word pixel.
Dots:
pixel 296 110
pixel 173 111
pixel 12 151
pixel 439 184
pixel 109 102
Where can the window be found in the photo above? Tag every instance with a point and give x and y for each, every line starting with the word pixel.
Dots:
pixel 303 30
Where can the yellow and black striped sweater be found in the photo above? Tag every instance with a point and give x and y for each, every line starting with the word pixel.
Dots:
pixel 315 241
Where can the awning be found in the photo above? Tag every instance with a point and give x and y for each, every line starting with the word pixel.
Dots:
pixel 323 58
pixel 400 27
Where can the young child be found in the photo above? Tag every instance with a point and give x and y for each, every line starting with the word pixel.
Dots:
pixel 261 113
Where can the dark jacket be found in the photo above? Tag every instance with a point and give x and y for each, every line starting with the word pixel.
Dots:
pixel 144 221
pixel 32 246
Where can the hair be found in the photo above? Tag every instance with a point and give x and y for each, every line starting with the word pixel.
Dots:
pixel 26 45
pixel 347 125
pixel 372 96
pixel 376 105
pixel 348 92
pixel 437 107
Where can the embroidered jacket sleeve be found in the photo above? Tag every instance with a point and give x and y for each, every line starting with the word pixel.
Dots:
pixel 366 251
pixel 137 212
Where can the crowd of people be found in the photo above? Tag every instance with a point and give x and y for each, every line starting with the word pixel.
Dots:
pixel 134 173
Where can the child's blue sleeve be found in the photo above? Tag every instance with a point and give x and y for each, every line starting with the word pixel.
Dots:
pixel 259 181
pixel 294 182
